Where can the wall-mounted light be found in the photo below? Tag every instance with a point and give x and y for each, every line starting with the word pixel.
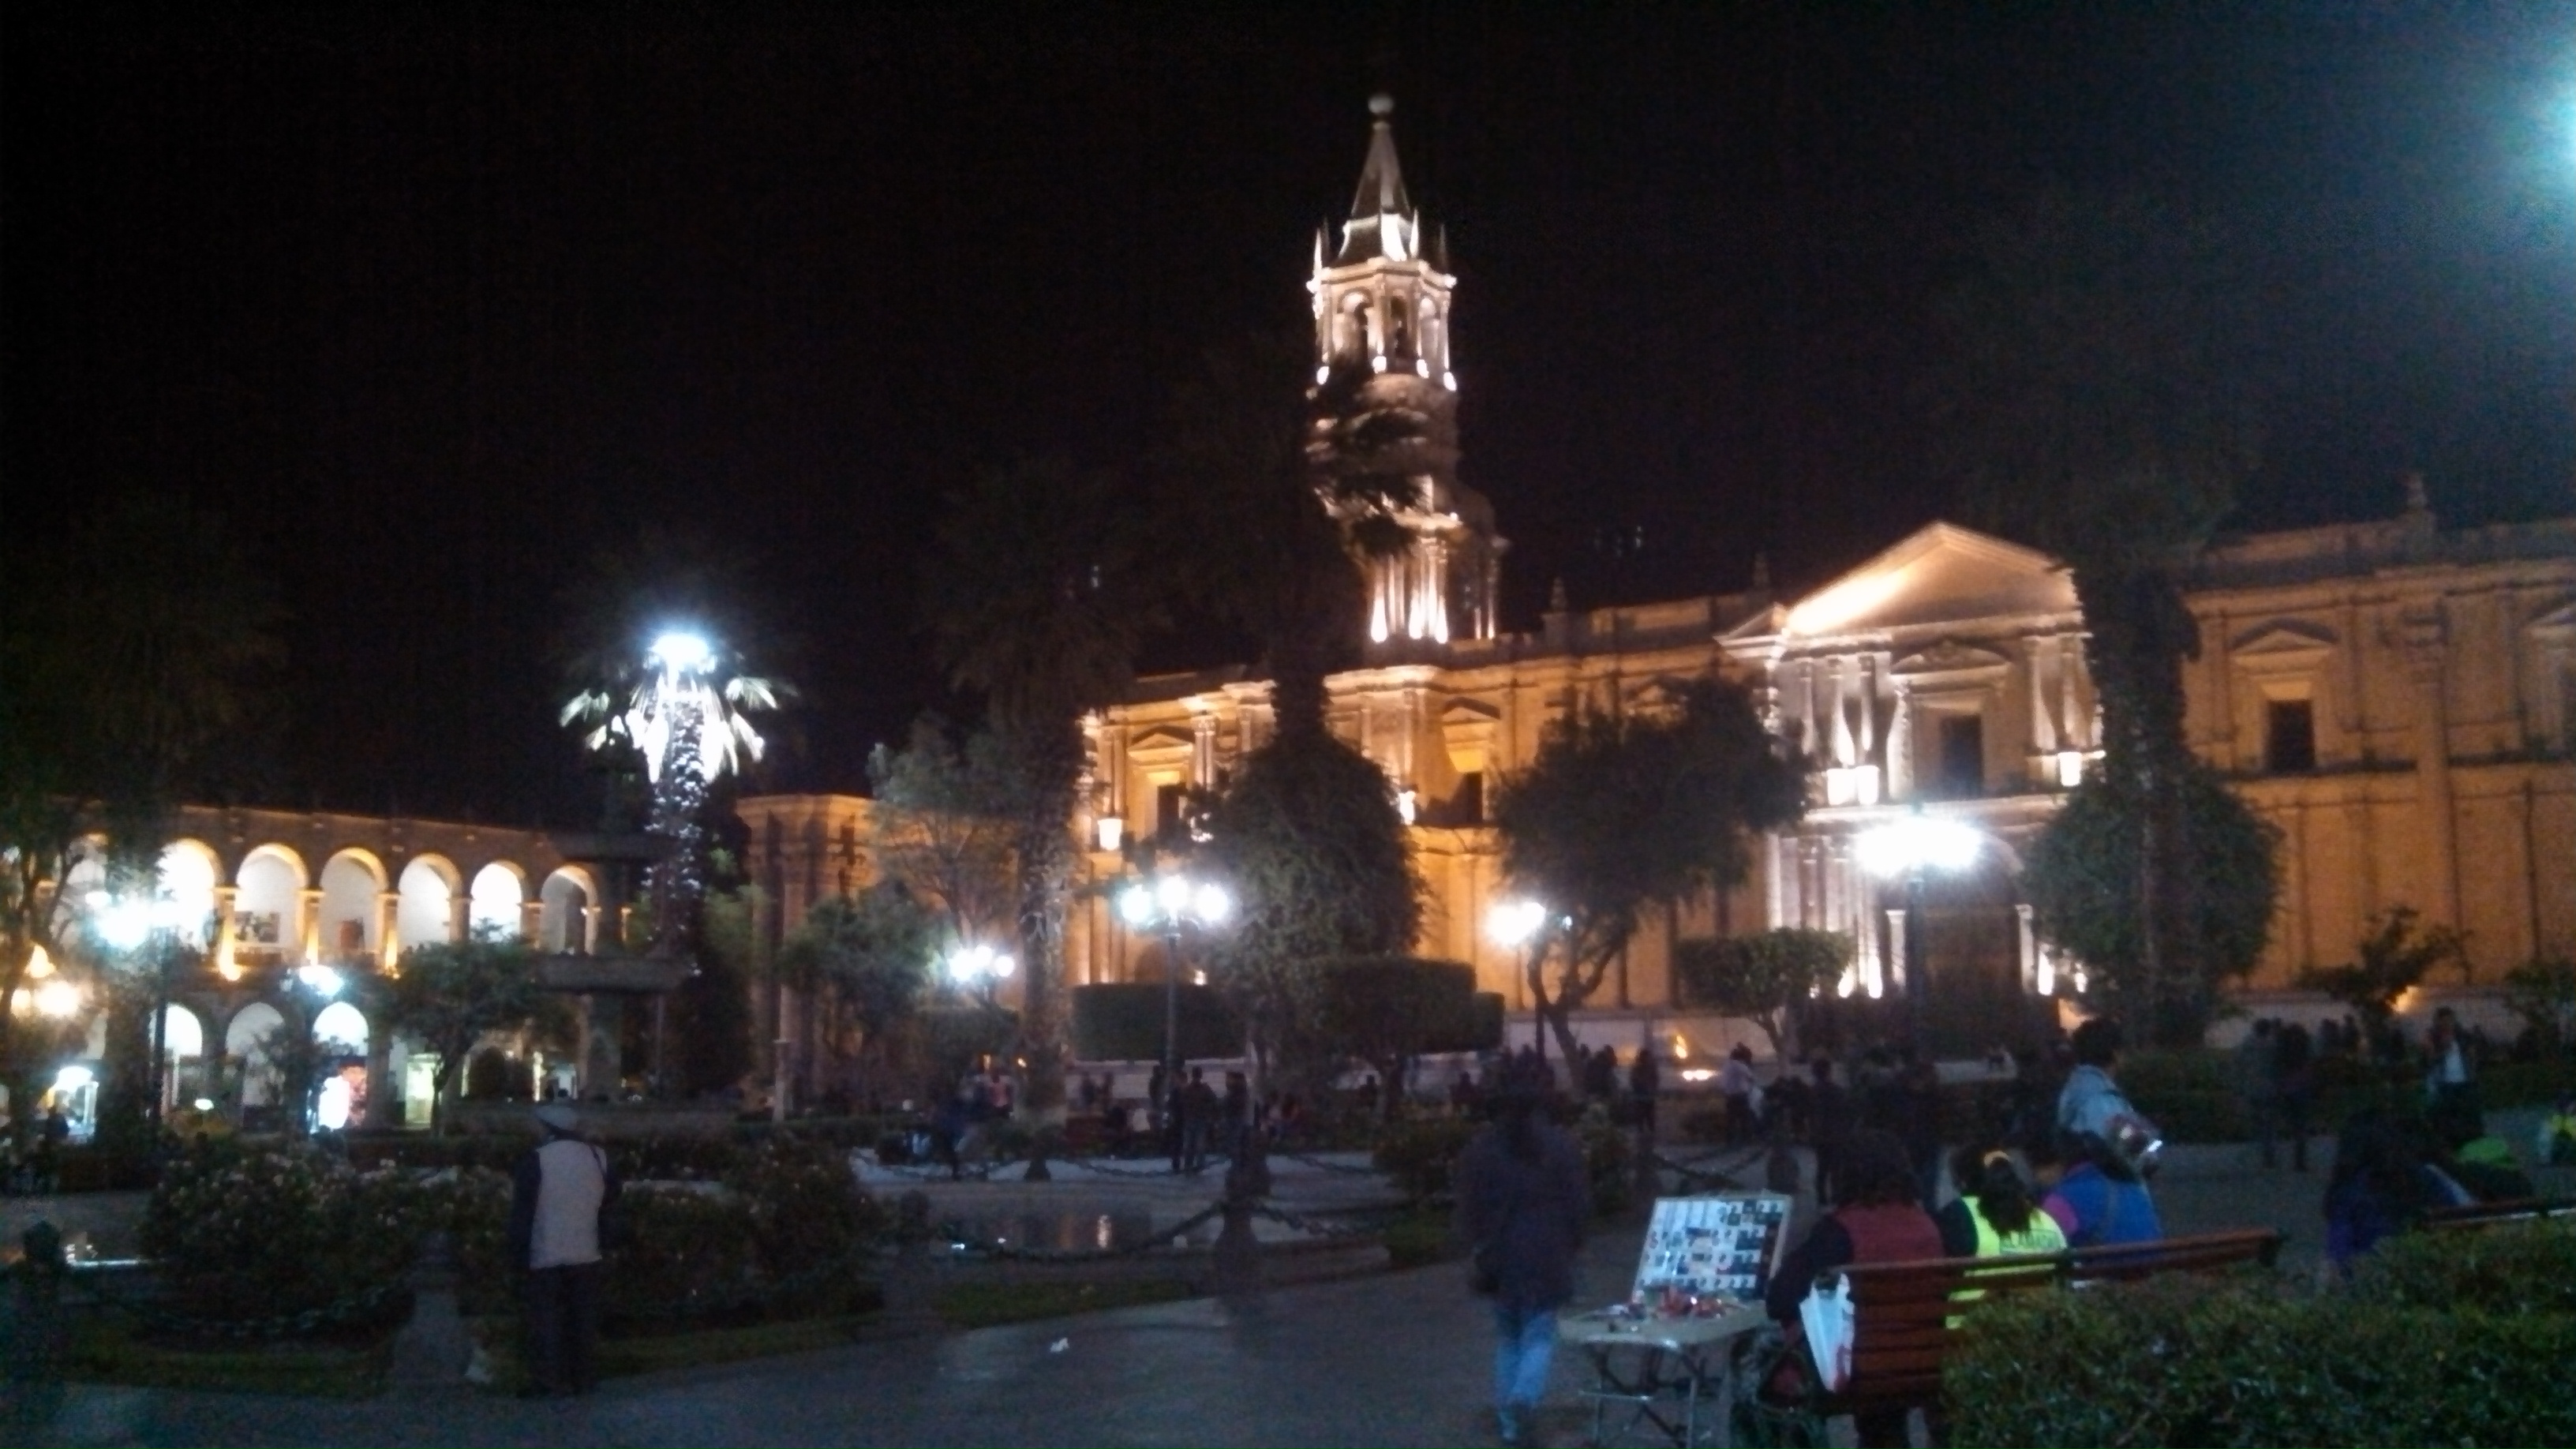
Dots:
pixel 1108 830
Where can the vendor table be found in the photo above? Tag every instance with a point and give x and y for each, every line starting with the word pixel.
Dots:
pixel 1674 1373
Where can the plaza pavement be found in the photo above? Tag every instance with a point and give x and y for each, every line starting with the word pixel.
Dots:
pixel 1394 1359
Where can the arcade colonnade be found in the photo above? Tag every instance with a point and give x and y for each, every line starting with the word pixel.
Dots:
pixel 263 893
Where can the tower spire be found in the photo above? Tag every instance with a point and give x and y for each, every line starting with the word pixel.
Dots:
pixel 1382 221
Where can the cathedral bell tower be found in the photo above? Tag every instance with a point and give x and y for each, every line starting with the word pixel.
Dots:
pixel 1384 437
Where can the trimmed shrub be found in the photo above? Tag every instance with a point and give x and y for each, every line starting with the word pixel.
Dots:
pixel 810 1221
pixel 1421 1155
pixel 2512 1268
pixel 244 1233
pixel 1608 1161
pixel 689 1259
pixel 2249 1360
pixel 1123 1022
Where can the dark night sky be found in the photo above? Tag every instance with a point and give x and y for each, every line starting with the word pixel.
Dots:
pixel 432 302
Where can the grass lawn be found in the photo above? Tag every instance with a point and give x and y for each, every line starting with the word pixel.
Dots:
pixel 109 1351
pixel 983 1305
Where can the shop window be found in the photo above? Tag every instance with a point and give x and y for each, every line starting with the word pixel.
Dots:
pixel 2289 736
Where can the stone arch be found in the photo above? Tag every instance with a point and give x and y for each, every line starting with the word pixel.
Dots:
pixel 267 887
pixel 342 1023
pixel 499 889
pixel 352 879
pixel 425 913
pixel 188 874
pixel 1355 341
pixel 564 899
pixel 245 1040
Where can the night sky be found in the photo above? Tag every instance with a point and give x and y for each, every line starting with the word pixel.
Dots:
pixel 432 302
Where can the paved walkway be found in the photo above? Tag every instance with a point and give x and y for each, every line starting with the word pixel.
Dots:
pixel 1390 1359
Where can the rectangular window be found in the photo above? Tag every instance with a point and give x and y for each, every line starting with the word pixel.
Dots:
pixel 1168 802
pixel 2289 736
pixel 1470 806
pixel 1963 755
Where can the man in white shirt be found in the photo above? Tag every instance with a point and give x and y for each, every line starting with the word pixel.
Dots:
pixel 560 1190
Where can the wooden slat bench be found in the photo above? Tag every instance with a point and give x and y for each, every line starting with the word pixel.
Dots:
pixel 2490 1214
pixel 1902 1312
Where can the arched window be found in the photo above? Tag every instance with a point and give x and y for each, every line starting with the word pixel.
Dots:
pixel 1399 334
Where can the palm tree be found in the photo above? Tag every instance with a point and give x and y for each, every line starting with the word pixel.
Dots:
pixel 1035 600
pixel 660 680
pixel 2090 402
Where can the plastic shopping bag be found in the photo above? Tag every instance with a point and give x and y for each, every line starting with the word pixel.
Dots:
pixel 1827 1317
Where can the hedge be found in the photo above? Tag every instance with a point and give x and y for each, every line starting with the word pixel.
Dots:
pixel 1123 1022
pixel 2254 1360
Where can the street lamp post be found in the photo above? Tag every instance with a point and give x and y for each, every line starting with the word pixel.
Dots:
pixel 1172 902
pixel 981 968
pixel 1908 849
pixel 1517 923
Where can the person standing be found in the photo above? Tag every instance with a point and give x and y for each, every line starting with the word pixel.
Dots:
pixel 2103 1198
pixel 1737 1084
pixel 2294 1086
pixel 2450 1082
pixel 1645 1085
pixel 560 1190
pixel 1198 1115
pixel 1829 1124
pixel 1523 1200
pixel 2258 1084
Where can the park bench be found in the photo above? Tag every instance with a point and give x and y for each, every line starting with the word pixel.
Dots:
pixel 1902 1312
pixel 2491 1214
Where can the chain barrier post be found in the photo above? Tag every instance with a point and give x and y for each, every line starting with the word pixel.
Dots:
pixel 432 1348
pixel 912 1279
pixel 37 1332
pixel 1238 1248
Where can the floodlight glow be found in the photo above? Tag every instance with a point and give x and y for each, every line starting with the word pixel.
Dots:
pixel 1002 964
pixel 1172 894
pixel 320 979
pixel 1136 905
pixel 1514 922
pixel 72 1079
pixel 681 652
pixel 1915 842
pixel 122 924
pixel 1211 904
pixel 57 999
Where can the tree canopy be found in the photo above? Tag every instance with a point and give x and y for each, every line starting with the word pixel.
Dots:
pixel 451 993
pixel 2396 952
pixel 944 822
pixel 1310 838
pixel 2082 876
pixel 1037 597
pixel 1765 977
pixel 1623 810
pixel 874 952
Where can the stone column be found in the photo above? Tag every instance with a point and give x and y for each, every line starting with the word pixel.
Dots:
pixel 2422 636
pixel 227 899
pixel 2029 948
pixel 2043 720
pixel 1893 972
pixel 1900 744
pixel 388 932
pixel 460 915
pixel 308 922
pixel 532 920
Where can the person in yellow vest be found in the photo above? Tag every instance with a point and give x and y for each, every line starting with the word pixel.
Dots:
pixel 1995 1214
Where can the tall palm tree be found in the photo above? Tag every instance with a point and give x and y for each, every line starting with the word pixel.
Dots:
pixel 1035 600
pixel 661 681
pixel 2093 402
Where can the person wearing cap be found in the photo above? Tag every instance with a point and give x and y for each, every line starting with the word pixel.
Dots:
pixel 560 1190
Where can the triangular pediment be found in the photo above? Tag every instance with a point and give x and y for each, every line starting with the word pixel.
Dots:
pixel 1940 574
pixel 1465 710
pixel 1950 657
pixel 1161 737
pixel 2291 636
